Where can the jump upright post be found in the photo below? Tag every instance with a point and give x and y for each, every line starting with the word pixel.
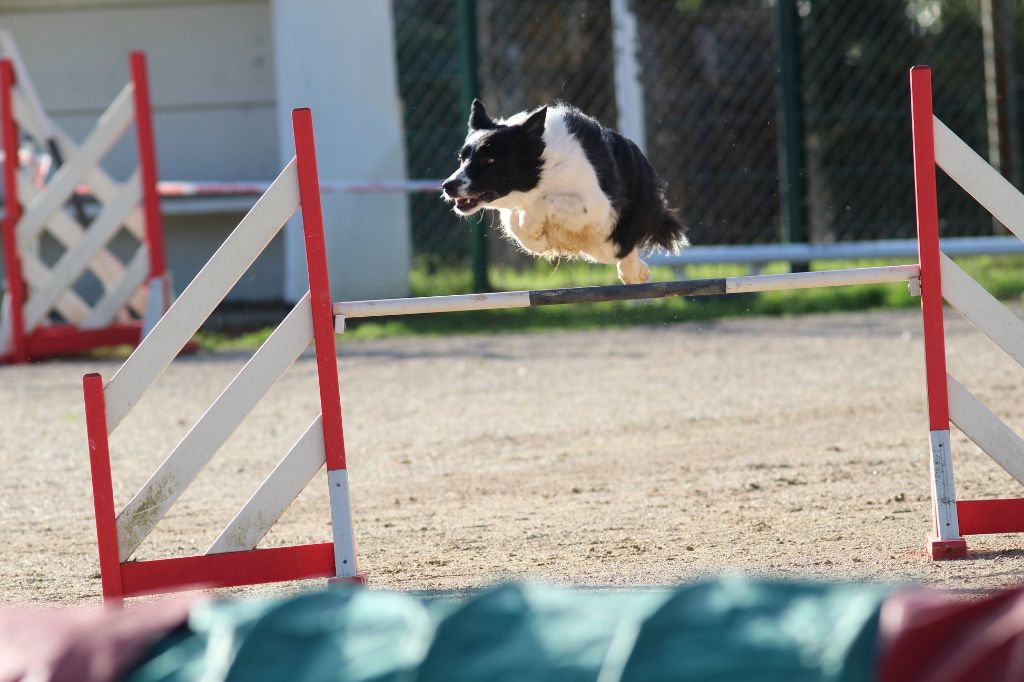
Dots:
pixel 943 280
pixel 45 312
pixel 232 559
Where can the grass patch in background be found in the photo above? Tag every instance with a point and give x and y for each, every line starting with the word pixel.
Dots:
pixel 1003 276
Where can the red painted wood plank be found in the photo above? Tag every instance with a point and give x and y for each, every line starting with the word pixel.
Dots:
pixel 12 264
pixel 984 517
pixel 319 288
pixel 147 166
pixel 102 488
pixel 928 246
pixel 231 569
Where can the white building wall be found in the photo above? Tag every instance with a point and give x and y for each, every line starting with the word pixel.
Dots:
pixel 216 79
pixel 338 58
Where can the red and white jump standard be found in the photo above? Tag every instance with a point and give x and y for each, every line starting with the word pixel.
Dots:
pixel 942 279
pixel 43 314
pixel 232 559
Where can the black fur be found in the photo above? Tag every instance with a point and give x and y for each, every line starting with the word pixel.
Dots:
pixel 505 158
pixel 630 183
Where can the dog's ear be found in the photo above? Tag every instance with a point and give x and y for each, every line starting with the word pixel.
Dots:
pixel 535 123
pixel 478 118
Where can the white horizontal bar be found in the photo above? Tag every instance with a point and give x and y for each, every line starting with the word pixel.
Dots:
pixel 979 179
pixel 245 243
pixel 986 430
pixel 433 304
pixel 220 420
pixel 803 253
pixel 222 188
pixel 823 278
pixel 526 299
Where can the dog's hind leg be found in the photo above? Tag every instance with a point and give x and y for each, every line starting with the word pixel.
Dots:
pixel 632 270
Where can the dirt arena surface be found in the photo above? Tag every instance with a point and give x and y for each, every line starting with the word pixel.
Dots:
pixel 793 447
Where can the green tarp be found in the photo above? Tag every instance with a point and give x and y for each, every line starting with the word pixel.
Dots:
pixel 730 629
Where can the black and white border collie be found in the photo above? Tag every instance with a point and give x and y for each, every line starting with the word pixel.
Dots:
pixel 565 186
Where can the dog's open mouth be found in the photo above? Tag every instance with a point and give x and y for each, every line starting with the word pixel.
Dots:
pixel 468 203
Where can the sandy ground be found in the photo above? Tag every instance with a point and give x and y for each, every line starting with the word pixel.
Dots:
pixel 789 448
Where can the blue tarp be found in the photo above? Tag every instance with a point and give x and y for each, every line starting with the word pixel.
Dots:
pixel 729 629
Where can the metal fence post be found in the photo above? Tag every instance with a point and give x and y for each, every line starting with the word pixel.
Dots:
pixel 471 90
pixel 792 185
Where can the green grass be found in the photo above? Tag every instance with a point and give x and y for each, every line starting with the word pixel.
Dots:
pixel 1003 276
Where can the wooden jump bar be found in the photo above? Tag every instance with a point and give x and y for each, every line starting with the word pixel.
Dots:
pixel 621 292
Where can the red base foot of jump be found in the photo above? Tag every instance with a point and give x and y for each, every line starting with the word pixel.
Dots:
pixel 942 550
pixel 357 579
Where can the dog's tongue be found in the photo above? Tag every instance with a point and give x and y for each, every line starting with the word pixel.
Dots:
pixel 464 201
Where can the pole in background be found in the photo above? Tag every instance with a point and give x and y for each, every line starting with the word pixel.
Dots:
pixel 471 90
pixel 792 184
pixel 629 89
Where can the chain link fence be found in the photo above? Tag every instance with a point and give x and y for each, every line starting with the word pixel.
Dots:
pixel 711 80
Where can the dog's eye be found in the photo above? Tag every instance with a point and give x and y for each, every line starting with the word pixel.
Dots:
pixel 486 160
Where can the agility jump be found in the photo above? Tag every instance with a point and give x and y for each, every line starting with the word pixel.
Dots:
pixel 43 314
pixel 233 558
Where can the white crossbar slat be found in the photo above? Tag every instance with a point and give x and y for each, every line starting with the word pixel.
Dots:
pixel 35 105
pixel 70 305
pixel 979 179
pixel 69 232
pixel 986 430
pixel 202 295
pixel 100 184
pixel 111 125
pixel 71 265
pixel 983 310
pixel 115 299
pixel 220 420
pixel 288 479
pixel 26 117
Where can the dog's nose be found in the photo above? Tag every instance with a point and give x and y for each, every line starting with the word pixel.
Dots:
pixel 451 187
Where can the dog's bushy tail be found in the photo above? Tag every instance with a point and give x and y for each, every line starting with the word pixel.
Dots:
pixel 668 232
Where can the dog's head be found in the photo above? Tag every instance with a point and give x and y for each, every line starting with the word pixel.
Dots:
pixel 498 158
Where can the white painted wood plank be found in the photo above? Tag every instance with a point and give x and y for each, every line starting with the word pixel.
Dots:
pixel 25 117
pixel 986 430
pixel 943 488
pixel 289 478
pixel 433 304
pixel 823 278
pixel 70 305
pixel 69 232
pixel 979 179
pixel 983 310
pixel 72 263
pixel 108 130
pixel 116 298
pixel 100 184
pixel 341 524
pixel 24 80
pixel 202 295
pixel 203 440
